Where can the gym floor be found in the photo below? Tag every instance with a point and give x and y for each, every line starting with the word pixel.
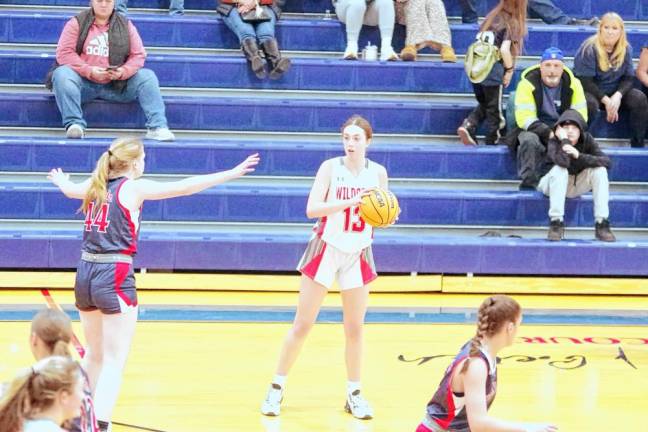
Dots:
pixel 201 361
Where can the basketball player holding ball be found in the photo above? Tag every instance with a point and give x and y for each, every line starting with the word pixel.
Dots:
pixel 339 249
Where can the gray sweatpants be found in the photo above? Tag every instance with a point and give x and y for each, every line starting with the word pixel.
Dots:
pixel 557 184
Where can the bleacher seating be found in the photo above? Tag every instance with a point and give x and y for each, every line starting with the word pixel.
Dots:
pixel 292 34
pixel 260 224
pixel 628 9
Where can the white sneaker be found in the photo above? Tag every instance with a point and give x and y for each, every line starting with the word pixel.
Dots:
pixel 351 52
pixel 388 54
pixel 358 406
pixel 160 134
pixel 75 131
pixel 271 406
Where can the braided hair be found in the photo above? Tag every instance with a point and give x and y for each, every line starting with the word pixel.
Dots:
pixel 493 314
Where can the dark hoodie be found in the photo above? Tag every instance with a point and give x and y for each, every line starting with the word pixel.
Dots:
pixel 590 155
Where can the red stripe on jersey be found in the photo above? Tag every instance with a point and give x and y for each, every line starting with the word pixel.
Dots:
pixel 132 248
pixel 445 423
pixel 121 271
pixel 319 228
pixel 367 272
pixel 311 268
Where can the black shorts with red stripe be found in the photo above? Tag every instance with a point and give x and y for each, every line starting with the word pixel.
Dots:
pixel 108 287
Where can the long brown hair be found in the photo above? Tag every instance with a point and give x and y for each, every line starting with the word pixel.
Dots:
pixel 35 389
pixel 617 57
pixel 494 313
pixel 54 328
pixel 509 14
pixel 361 122
pixel 118 158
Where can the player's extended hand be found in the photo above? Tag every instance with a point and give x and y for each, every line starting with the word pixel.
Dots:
pixel 57 176
pixel 247 166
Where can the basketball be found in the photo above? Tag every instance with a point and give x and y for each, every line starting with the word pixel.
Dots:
pixel 379 208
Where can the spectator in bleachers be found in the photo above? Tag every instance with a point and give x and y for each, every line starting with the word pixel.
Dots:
pixel 235 14
pixel 579 166
pixel 543 93
pixel 642 68
pixel 176 7
pixel 603 63
pixel 42 397
pixel 504 27
pixel 355 13
pixel 546 10
pixel 100 56
pixel 426 25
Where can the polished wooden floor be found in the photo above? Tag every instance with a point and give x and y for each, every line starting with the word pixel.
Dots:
pixel 205 376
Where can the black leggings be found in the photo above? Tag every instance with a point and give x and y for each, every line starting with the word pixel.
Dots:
pixel 634 105
pixel 489 109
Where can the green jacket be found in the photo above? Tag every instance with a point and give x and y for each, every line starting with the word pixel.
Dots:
pixel 528 100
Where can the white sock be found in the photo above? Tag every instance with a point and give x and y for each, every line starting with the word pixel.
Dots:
pixel 352 46
pixel 599 220
pixel 385 44
pixel 280 380
pixel 353 386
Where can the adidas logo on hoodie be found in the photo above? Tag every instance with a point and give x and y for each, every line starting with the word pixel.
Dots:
pixel 98 46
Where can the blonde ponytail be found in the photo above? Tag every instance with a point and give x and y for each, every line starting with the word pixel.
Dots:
pixel 54 328
pixel 117 159
pixel 98 185
pixel 15 402
pixel 36 389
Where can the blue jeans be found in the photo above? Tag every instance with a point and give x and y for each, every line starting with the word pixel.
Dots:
pixel 176 7
pixel 543 9
pixel 547 12
pixel 71 90
pixel 262 31
pixel 468 11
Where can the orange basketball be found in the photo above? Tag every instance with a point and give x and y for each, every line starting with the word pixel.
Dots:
pixel 379 208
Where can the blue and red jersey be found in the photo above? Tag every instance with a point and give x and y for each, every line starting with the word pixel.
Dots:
pixel 111 228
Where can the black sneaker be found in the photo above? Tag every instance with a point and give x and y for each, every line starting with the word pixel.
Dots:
pixel 556 230
pixel 467 133
pixel 603 231
pixel 526 186
pixel 594 21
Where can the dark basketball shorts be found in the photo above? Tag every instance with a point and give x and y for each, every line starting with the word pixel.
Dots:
pixel 108 287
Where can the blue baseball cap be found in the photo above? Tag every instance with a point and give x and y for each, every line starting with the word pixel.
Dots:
pixel 552 53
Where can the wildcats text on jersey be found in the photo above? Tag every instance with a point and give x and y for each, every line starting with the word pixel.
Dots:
pixel 344 192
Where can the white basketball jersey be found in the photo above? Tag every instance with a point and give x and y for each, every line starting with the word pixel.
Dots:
pixel 346 230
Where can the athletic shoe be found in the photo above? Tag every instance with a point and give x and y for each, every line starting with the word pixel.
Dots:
pixel 271 406
pixel 467 133
pixel 350 53
pixel 357 406
pixel 75 131
pixel 388 54
pixel 160 134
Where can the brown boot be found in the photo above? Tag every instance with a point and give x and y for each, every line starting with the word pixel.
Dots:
pixel 408 53
pixel 603 232
pixel 556 230
pixel 278 64
pixel 448 54
pixel 251 51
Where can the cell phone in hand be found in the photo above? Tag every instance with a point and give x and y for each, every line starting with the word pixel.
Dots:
pixel 112 68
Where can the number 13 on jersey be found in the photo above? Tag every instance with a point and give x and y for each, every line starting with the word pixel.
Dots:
pixel 352 220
